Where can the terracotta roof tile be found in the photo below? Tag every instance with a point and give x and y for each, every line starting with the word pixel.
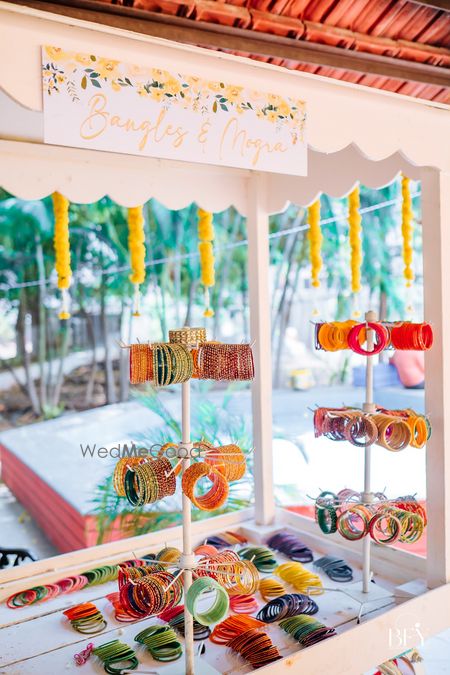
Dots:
pixel 400 29
pixel 285 26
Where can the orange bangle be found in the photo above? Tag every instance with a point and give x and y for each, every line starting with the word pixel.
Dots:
pixel 217 494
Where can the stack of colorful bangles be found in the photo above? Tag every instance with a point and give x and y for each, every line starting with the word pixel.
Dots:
pixel 261 557
pixel 86 618
pixel 172 362
pixel 392 429
pixel 287 605
pixel 93 577
pixel 300 578
pixel 339 335
pixel 149 594
pixel 238 577
pixel 291 546
pixel 175 619
pixel 161 642
pixel 256 647
pixel 116 652
pixel 306 630
pixel 386 521
pixel 226 539
pixel 335 568
pixel 270 588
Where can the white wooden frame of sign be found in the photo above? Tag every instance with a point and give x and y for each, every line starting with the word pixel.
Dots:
pixel 354 133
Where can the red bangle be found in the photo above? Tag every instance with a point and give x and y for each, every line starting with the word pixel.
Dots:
pixel 381 334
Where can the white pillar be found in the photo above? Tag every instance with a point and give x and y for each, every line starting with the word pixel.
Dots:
pixel 436 250
pixel 260 329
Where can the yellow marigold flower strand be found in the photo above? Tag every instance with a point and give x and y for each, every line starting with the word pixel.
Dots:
pixel 407 231
pixel 354 222
pixel 62 250
pixel 205 247
pixel 315 242
pixel 136 247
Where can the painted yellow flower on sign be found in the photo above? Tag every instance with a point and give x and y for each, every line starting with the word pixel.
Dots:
pixel 106 68
pixel 271 115
pixel 157 94
pixel 233 93
pixel 83 59
pixel 172 86
pixel 55 53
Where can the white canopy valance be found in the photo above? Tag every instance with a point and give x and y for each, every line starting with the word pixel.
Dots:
pixel 354 133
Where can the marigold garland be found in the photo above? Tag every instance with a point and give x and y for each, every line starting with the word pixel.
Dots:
pixel 205 247
pixel 62 250
pixel 407 231
pixel 354 222
pixel 136 247
pixel 315 242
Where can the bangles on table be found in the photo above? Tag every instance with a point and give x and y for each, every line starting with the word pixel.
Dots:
pixel 120 614
pixel 161 642
pixel 335 568
pixel 175 618
pixel 86 618
pixel 261 557
pixel 116 652
pixel 219 608
pixel 256 647
pixel 225 539
pixel 295 574
pixel 270 588
pixel 306 630
pixel 287 605
pixel 233 626
pixel 92 577
pixel 216 496
pixel 291 546
pixel 243 604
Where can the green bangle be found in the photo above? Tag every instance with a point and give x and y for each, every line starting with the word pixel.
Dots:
pixel 116 652
pixel 161 642
pixel 261 556
pixel 327 518
pixel 219 608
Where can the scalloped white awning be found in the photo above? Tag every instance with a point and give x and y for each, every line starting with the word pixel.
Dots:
pixel 354 133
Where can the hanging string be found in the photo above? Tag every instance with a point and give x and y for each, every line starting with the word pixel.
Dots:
pixel 62 251
pixel 205 247
pixel 315 245
pixel 354 223
pixel 407 236
pixel 136 247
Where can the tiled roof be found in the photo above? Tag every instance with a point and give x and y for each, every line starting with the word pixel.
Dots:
pixel 403 29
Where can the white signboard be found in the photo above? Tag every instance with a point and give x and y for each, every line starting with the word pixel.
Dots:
pixel 98 103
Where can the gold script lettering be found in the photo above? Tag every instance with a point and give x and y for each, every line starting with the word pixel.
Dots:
pixel 97 120
pixel 239 139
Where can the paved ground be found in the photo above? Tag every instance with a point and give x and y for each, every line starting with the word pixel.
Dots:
pixel 53 450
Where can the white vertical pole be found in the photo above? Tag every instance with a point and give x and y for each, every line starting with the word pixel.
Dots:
pixel 187 557
pixel 260 330
pixel 369 407
pixel 436 249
